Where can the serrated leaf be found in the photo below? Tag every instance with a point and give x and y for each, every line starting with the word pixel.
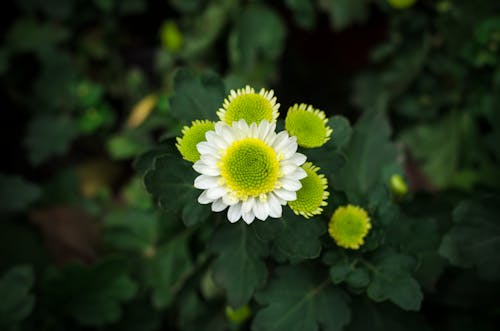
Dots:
pixel 16 194
pixel 239 268
pixel 474 239
pixel 368 152
pixel 297 300
pixel 392 280
pixel 93 296
pixel 345 12
pixel 17 301
pixel 131 229
pixel 196 97
pixel 49 136
pixel 367 315
pixel 167 268
pixel 171 182
pixel 259 35
pixel 294 236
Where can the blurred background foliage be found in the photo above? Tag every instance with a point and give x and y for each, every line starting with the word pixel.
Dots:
pixel 89 85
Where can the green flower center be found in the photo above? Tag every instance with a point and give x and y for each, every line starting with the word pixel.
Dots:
pixel 191 137
pixel 349 225
pixel 311 195
pixel 250 168
pixel 251 107
pixel 307 126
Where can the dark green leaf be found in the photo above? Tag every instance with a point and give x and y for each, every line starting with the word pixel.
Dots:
pixel 93 296
pixel 368 153
pixel 16 194
pixel 303 12
pixel 171 184
pixel 345 12
pixel 239 268
pixel 29 35
pixel 474 239
pixel 298 300
pixel 131 230
pixel 17 301
pixel 49 136
pixel 294 236
pixel 391 280
pixel 196 97
pixel 167 269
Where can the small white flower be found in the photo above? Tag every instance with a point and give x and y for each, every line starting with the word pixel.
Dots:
pixel 250 169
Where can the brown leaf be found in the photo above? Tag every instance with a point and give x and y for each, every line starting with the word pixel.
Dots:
pixel 69 233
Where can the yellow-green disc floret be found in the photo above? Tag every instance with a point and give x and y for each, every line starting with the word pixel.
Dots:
pixel 349 225
pixel 312 196
pixel 250 106
pixel 250 168
pixel 309 125
pixel 191 136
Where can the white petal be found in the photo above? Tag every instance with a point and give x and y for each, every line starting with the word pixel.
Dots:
pixel 205 147
pixel 205 182
pixel 230 199
pixel 227 135
pixel 247 205
pixel 218 205
pixel 298 159
pixel 204 169
pixel 299 174
pixel 280 141
pixel 285 194
pixel 262 130
pixel 204 199
pixel 261 210
pixel 287 168
pixel 234 213
pixel 274 206
pixel 216 192
pixel 210 160
pixel 290 148
pixel 248 217
pixel 216 140
pixel 290 184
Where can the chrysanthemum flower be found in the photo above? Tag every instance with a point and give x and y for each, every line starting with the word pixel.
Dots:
pixel 191 136
pixel 245 104
pixel 349 225
pixel 250 169
pixel 311 198
pixel 309 125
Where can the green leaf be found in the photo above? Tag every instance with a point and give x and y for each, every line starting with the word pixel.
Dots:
pixel 297 300
pixel 29 35
pixel 93 296
pixel 131 229
pixel 49 136
pixel 167 269
pixel 171 182
pixel 346 269
pixel 367 315
pixel 239 268
pixel 391 280
pixel 303 12
pixel 16 194
pixel 342 131
pixel 344 13
pixel 294 236
pixel 196 97
pixel 368 152
pixel 17 301
pixel 258 37
pixel 474 239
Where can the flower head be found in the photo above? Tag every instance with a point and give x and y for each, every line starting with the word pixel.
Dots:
pixel 398 185
pixel 311 198
pixel 191 136
pixel 250 106
pixel 309 125
pixel 349 225
pixel 250 169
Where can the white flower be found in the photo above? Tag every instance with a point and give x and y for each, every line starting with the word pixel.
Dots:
pixel 250 169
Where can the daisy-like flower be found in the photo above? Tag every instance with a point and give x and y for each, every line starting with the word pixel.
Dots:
pixel 349 225
pixel 250 169
pixel 246 104
pixel 311 198
pixel 191 136
pixel 309 125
